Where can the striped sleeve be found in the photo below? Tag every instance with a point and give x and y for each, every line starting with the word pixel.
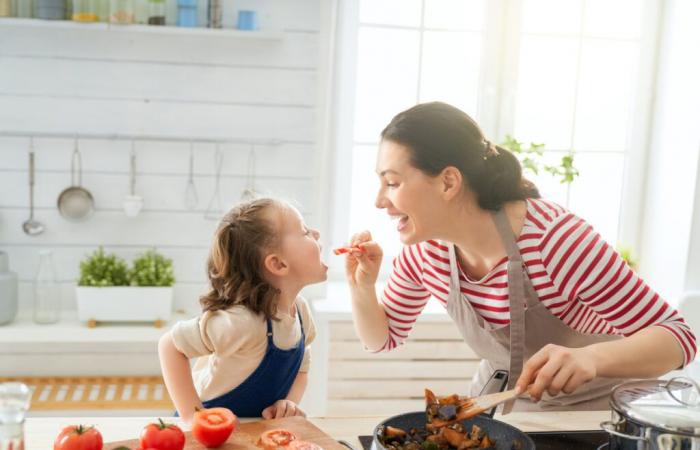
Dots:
pixel 404 296
pixel 596 281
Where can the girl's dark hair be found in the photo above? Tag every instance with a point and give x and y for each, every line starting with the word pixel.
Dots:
pixel 439 135
pixel 235 263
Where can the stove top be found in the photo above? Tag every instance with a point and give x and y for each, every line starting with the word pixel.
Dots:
pixel 549 440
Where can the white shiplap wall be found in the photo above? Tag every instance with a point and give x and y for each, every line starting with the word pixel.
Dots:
pixel 73 79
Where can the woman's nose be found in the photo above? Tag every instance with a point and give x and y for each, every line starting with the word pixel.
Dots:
pixel 380 202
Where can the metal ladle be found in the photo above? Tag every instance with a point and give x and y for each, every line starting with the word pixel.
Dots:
pixel 191 198
pixel 30 226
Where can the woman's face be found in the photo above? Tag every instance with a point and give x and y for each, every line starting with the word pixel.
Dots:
pixel 409 196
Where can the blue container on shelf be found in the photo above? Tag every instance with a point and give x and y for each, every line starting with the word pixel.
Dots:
pixel 187 13
pixel 247 20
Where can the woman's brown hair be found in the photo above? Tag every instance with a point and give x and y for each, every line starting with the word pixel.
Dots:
pixel 235 264
pixel 439 135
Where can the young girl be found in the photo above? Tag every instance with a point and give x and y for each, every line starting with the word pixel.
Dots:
pixel 253 335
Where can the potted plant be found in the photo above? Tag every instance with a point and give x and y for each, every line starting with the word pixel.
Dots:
pixel 108 290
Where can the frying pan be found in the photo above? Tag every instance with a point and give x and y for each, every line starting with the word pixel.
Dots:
pixel 505 435
pixel 75 203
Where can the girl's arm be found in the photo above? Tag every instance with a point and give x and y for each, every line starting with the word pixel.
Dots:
pixel 296 392
pixel 178 378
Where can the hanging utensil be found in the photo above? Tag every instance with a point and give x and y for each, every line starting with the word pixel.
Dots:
pixel 132 202
pixel 214 210
pixel 30 226
pixel 249 191
pixel 191 198
pixel 75 203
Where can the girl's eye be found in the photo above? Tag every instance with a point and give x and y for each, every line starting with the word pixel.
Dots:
pixel 391 185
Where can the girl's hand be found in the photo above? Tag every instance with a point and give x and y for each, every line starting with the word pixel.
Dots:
pixel 557 369
pixel 282 408
pixel 362 267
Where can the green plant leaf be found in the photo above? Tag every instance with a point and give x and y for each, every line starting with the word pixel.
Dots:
pixel 102 270
pixel 152 269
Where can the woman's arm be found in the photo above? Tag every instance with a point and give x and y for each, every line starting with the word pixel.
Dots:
pixel 362 269
pixel 178 378
pixel 296 392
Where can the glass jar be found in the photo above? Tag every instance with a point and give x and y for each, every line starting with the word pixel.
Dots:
pixel 50 9
pixel 23 8
pixel 156 12
pixel 47 293
pixel 14 404
pixel 84 11
pixel 122 11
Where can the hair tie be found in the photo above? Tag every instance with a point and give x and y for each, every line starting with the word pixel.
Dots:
pixel 489 149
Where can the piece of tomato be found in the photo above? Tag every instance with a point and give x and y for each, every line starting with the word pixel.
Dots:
pixel 78 437
pixel 275 439
pixel 342 250
pixel 303 445
pixel 162 436
pixel 212 427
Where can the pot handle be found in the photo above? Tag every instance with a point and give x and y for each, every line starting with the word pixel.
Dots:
pixel 692 383
pixel 609 427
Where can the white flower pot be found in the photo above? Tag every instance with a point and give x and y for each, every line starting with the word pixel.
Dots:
pixel 124 304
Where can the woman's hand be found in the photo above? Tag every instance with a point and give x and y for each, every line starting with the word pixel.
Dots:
pixel 557 369
pixel 362 267
pixel 282 408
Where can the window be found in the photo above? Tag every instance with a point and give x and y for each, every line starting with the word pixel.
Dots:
pixel 569 74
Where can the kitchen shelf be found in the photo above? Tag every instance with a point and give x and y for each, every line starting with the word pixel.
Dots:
pixel 143 29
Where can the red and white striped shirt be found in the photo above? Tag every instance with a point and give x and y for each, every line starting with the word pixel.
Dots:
pixel 577 275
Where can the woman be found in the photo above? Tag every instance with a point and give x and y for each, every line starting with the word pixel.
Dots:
pixel 532 288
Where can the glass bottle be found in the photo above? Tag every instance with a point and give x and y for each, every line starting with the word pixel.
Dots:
pixel 50 9
pixel 214 14
pixel 23 8
pixel 14 404
pixel 122 11
pixel 84 11
pixel 47 294
pixel 187 13
pixel 156 12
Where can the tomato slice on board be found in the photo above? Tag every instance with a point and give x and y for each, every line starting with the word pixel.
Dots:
pixel 276 439
pixel 213 426
pixel 303 445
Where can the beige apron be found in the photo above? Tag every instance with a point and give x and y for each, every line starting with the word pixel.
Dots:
pixel 529 330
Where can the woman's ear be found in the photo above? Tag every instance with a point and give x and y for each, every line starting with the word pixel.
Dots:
pixel 275 265
pixel 450 182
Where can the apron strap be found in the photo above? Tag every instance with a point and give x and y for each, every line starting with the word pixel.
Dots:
pixel 517 299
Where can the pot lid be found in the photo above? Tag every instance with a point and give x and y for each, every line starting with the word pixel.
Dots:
pixel 673 405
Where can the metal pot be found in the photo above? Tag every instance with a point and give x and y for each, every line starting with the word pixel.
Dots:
pixel 655 414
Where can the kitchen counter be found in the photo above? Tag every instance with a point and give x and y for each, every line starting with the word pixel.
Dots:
pixel 40 432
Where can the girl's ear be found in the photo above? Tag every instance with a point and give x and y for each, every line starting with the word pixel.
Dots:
pixel 275 265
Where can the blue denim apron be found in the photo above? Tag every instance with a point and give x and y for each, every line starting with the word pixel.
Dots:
pixel 270 382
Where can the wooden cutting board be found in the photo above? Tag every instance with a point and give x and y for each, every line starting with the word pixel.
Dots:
pixel 246 435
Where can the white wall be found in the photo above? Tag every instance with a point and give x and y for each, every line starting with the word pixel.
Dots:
pixel 72 79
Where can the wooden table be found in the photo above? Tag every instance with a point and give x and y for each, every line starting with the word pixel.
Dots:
pixel 40 432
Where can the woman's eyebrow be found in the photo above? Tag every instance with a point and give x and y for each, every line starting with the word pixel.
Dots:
pixel 384 172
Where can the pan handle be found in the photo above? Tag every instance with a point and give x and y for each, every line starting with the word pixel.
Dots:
pixel 609 427
pixel 345 444
pixel 76 156
pixel 497 382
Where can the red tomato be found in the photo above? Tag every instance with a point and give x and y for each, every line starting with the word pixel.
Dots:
pixel 341 250
pixel 162 436
pixel 274 439
pixel 78 437
pixel 212 427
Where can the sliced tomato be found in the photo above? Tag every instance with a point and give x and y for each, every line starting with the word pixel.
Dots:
pixel 276 439
pixel 303 445
pixel 212 427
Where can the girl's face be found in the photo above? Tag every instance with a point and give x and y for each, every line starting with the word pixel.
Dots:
pixel 409 196
pixel 300 248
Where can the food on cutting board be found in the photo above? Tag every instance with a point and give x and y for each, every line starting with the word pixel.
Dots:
pixel 303 445
pixel 276 439
pixel 78 437
pixel 212 427
pixel 162 436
